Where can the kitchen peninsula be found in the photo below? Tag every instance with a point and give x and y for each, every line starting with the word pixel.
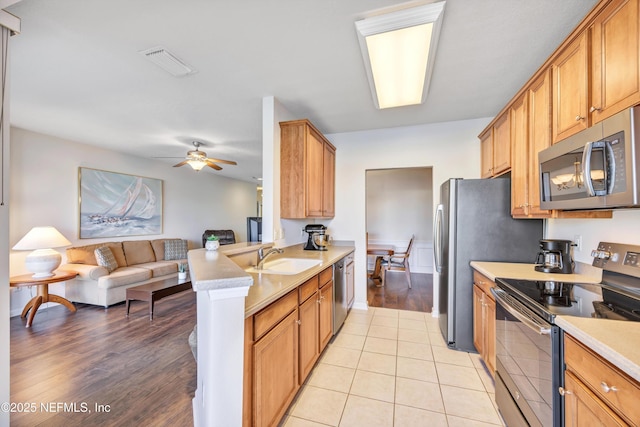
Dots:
pixel 229 299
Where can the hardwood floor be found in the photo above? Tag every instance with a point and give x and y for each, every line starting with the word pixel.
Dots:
pixel 141 372
pixel 396 293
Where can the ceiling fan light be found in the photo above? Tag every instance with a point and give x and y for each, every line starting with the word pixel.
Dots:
pixel 197 164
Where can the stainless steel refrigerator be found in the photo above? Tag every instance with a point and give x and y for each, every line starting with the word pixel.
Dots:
pixel 473 223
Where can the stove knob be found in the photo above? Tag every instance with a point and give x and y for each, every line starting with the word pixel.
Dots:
pixel 615 257
pixel 604 254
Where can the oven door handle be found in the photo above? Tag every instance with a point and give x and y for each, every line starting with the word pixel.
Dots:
pixel 520 312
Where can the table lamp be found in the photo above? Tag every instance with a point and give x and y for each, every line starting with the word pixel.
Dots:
pixel 43 260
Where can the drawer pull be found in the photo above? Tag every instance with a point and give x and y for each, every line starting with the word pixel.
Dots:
pixel 606 388
pixel 579 117
pixel 563 392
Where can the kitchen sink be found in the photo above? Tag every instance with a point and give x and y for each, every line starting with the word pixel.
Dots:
pixel 286 266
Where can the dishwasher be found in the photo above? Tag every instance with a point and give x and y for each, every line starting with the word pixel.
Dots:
pixel 340 302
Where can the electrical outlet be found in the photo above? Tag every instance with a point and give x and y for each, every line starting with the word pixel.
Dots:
pixel 577 239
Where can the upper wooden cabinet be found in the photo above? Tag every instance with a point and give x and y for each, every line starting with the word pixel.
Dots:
pixel 530 133
pixel 570 83
pixel 615 59
pixel 307 172
pixel 496 148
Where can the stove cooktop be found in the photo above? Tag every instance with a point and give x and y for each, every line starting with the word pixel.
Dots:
pixel 550 298
pixel 617 297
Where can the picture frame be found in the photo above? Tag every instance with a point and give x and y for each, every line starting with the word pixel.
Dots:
pixel 113 204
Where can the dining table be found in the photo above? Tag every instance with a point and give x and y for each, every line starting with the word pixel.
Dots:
pixel 381 251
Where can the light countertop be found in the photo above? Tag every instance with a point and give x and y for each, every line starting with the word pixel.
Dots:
pixel 212 270
pixel 269 287
pixel 523 271
pixel 616 341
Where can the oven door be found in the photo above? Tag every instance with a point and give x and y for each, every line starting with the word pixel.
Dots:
pixel 528 367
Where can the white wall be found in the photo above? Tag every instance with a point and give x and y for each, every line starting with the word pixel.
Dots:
pixel 624 227
pixel 451 149
pixel 4 264
pixel 44 191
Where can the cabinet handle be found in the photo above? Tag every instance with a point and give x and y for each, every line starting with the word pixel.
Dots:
pixel 594 109
pixel 299 322
pixel 579 117
pixel 563 392
pixel 606 388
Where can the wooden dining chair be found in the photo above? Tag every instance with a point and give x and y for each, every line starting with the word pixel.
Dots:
pixel 399 262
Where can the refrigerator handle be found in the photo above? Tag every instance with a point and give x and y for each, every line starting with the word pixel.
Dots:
pixel 437 234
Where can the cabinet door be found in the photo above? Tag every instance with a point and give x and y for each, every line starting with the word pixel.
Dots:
pixel 478 326
pixel 539 138
pixel 329 181
pixel 314 172
pixel 275 370
pixel 501 145
pixel 615 81
pixel 486 154
pixel 520 157
pixel 308 336
pixel 490 334
pixel 326 314
pixel 570 89
pixel 583 408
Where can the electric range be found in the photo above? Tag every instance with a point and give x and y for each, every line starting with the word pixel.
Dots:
pixel 529 354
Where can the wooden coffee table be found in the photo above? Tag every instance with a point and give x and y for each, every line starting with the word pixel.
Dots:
pixel 154 291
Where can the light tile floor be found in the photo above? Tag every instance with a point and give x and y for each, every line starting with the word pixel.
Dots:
pixel 392 368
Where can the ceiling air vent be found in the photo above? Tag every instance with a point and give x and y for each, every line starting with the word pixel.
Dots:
pixel 168 61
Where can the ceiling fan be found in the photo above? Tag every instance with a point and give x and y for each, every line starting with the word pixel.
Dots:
pixel 198 159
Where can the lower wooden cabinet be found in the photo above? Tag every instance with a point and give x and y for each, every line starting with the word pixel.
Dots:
pixel 484 320
pixel 283 342
pixel 275 372
pixel 309 345
pixel 595 391
pixel 326 314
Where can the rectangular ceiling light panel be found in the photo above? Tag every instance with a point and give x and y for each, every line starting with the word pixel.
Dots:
pixel 167 61
pixel 398 50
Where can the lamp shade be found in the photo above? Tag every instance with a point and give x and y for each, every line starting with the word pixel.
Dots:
pixel 42 238
pixel 43 260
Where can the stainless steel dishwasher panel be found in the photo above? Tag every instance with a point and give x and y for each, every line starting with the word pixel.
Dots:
pixel 339 295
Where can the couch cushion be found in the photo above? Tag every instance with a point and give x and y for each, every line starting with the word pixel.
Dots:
pixel 105 258
pixel 158 248
pixel 138 252
pixel 160 268
pixel 175 249
pixel 86 254
pixel 124 276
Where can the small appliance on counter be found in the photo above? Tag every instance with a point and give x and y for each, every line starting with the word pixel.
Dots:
pixel 318 239
pixel 555 257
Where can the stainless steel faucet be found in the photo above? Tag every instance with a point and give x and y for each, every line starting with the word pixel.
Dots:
pixel 262 256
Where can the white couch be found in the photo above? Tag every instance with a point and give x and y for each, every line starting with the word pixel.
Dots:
pixel 139 262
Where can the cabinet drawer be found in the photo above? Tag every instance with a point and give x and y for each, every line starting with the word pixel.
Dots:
pixel 307 289
pixel 484 283
pixel 598 374
pixel 271 315
pixel 326 276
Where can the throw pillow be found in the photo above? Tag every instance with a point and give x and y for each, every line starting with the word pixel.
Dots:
pixel 105 258
pixel 175 249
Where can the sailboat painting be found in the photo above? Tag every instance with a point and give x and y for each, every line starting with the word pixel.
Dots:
pixel 115 204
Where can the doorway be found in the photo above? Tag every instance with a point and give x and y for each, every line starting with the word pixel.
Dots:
pixel 399 204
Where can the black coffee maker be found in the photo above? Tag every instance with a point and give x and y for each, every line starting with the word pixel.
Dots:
pixel 317 240
pixel 555 257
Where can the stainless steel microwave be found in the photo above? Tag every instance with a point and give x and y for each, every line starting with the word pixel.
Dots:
pixel 596 168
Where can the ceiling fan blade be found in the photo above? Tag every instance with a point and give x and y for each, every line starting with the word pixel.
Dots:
pixel 182 163
pixel 213 165
pixel 227 162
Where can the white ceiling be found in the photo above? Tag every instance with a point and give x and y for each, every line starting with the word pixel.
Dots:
pixel 76 72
